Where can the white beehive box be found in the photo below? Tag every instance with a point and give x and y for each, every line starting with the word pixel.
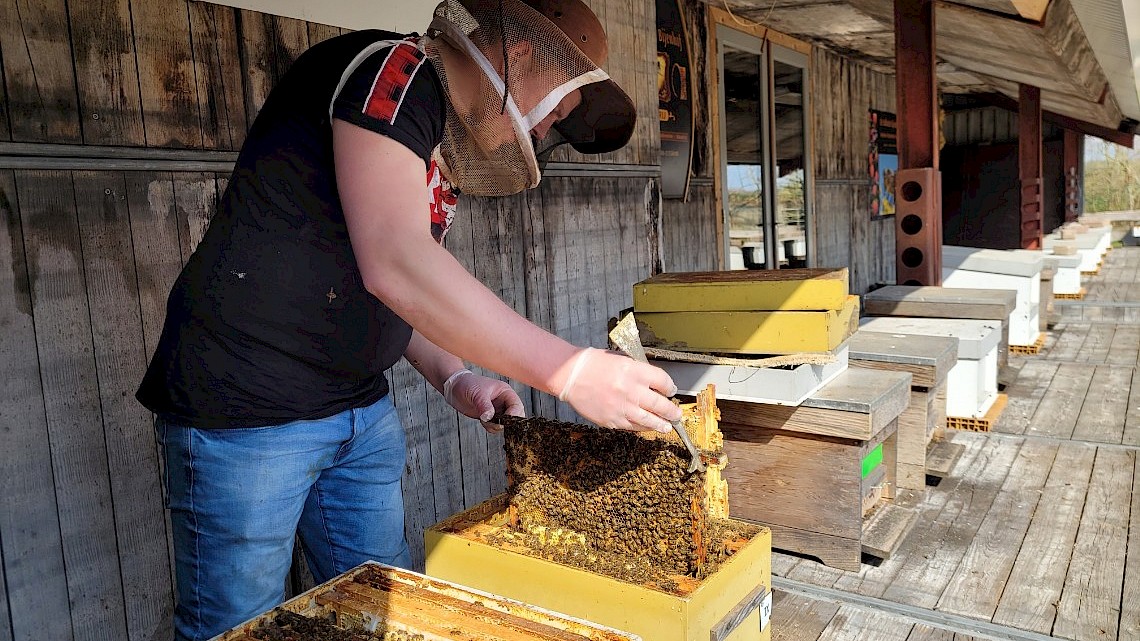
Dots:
pixel 971 385
pixel 1066 270
pixel 1085 245
pixel 968 267
pixel 775 385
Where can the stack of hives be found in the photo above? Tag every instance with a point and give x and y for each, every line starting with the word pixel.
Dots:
pixel 798 424
pixel 759 336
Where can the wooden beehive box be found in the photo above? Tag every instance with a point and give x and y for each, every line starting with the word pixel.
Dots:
pixel 636 544
pixel 751 332
pixel 746 312
pixel 929 360
pixel 731 604
pixel 726 291
pixel 398 605
pixel 820 475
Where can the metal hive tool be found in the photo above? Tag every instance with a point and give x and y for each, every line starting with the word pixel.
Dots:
pixel 625 337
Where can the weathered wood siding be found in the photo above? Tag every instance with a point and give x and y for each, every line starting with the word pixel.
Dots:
pixel 842 93
pixel 87 259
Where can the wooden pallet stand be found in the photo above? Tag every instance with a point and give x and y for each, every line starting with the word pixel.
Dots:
pixel 971 386
pixel 820 474
pixel 374 596
pixel 942 302
pixel 1080 295
pixel 969 267
pixel 983 423
pixel 929 359
pixel 1028 350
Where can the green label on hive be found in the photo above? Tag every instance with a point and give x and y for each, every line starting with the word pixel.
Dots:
pixel 872 460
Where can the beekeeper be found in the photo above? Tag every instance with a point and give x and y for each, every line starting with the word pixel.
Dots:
pixel 323 266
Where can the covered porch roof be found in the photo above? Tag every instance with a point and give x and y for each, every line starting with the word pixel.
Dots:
pixel 1084 55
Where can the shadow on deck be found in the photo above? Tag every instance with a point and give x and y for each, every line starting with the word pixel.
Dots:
pixel 1029 538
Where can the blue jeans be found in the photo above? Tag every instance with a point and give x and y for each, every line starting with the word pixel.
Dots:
pixel 237 497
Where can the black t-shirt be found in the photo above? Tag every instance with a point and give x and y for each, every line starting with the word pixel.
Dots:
pixel 269 322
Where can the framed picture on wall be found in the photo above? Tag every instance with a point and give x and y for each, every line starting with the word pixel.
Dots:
pixel 882 163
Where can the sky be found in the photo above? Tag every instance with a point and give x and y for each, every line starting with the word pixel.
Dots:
pixel 1095 148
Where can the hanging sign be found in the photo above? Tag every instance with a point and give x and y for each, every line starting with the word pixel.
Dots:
pixel 675 99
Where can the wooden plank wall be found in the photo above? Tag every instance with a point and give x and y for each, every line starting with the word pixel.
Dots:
pixel 87 259
pixel 842 93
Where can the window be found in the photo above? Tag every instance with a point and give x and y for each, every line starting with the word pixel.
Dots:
pixel 763 143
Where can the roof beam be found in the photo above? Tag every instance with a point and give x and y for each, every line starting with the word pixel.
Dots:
pixel 1067 122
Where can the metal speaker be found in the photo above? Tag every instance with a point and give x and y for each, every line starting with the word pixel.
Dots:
pixel 918 227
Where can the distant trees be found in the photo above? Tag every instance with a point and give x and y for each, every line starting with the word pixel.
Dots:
pixel 1112 177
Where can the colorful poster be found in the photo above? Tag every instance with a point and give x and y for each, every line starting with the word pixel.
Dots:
pixel 674 96
pixel 882 163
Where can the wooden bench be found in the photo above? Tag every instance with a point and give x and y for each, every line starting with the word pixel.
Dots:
pixel 969 267
pixel 972 400
pixel 929 360
pixel 941 302
pixel 821 475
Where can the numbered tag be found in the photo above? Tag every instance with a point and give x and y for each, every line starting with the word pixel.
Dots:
pixel 765 610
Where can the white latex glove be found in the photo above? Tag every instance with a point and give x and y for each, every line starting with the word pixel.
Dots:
pixel 615 391
pixel 480 397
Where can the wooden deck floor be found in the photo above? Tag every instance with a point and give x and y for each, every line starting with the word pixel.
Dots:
pixel 1036 534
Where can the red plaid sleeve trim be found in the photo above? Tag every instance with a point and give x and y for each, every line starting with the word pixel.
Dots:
pixel 392 80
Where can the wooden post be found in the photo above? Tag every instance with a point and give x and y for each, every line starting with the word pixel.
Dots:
pixel 918 222
pixel 1029 137
pixel 1074 146
pixel 917 86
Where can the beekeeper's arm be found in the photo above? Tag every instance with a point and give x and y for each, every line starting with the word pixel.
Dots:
pixel 384 196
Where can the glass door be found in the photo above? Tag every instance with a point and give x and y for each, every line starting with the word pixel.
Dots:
pixel 789 111
pixel 766 185
pixel 744 150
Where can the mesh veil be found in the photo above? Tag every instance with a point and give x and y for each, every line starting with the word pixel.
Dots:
pixel 487 148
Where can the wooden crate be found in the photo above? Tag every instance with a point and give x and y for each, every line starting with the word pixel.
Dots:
pixel 398 600
pixel 732 604
pixel 821 475
pixel 763 290
pixel 929 359
pixel 750 332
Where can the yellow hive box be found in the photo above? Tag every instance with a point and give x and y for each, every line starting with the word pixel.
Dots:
pixel 756 332
pixel 733 604
pixel 739 291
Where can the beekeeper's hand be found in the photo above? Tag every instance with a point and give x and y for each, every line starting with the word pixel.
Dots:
pixel 476 396
pixel 615 391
